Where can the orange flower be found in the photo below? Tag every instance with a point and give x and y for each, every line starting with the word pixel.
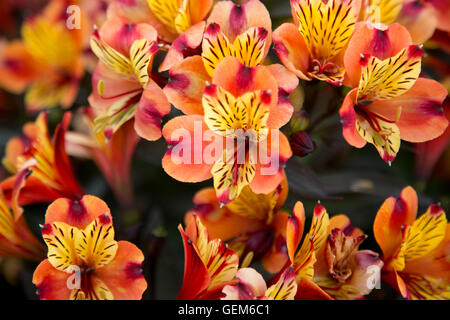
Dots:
pixel 237 31
pixel 389 101
pixel 123 87
pixel 313 47
pixel 251 286
pixel 84 261
pixel 41 167
pixel 249 108
pixel 343 271
pixel 180 23
pixel 209 265
pixel 112 155
pixel 415 250
pixel 16 239
pixel 47 63
pixel 252 224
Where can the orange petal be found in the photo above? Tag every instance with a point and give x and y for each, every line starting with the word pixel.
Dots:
pixel 277 257
pixel 308 290
pixel 269 169
pixel 51 283
pixel 123 275
pixel 221 222
pixel 420 20
pixel 184 159
pixel 368 39
pixel 392 215
pixel 196 277
pixel 250 286
pixel 442 12
pixel 152 107
pixel 17 67
pixel 115 88
pixel 294 229
pixel 186 85
pixel 120 34
pixel 348 119
pixel 422 117
pixel 292 50
pixel 34 191
pixel 76 213
pixel 234 77
pixel 287 82
pixel 63 167
pixel 236 19
pixel 184 45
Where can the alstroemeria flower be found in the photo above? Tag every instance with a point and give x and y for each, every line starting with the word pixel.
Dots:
pixel 16 239
pixel 251 286
pixel 209 265
pixel 241 120
pixel 415 250
pixel 47 63
pixel 252 224
pixel 179 23
pixel 241 31
pixel 343 271
pixel 84 261
pixel 313 47
pixel 123 87
pixel 41 168
pixel 112 155
pixel 389 101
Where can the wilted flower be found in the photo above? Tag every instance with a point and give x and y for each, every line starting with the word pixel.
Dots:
pixel 342 270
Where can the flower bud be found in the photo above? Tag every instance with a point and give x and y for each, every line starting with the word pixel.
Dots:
pixel 299 121
pixel 302 144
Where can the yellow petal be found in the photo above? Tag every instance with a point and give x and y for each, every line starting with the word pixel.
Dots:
pixel 386 79
pixel 116 61
pixel 385 136
pixel 425 234
pixel 60 238
pixel 383 11
pixel 223 113
pixel 215 47
pixel 249 46
pixel 326 28
pixel 95 244
pixel 141 54
pixel 285 288
pixel 231 177
pixel 166 11
pixel 98 291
